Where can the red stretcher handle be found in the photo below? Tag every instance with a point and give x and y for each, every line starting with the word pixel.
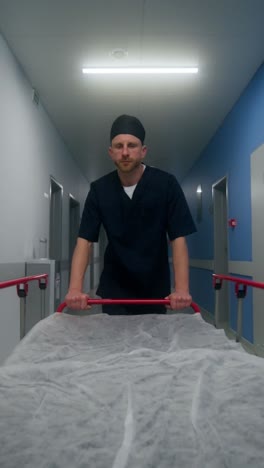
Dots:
pixel 193 305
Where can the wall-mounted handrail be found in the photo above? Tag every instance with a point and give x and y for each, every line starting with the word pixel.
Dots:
pixel 254 284
pixel 240 291
pixel 23 280
pixel 193 305
pixel 22 291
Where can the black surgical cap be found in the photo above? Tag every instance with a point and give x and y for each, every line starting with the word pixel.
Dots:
pixel 127 124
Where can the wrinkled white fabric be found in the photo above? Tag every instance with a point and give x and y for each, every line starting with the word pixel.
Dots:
pixel 152 391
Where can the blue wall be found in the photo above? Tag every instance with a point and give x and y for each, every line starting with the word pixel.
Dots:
pixel 228 154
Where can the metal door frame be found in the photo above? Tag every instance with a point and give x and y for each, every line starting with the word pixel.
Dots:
pixel 224 314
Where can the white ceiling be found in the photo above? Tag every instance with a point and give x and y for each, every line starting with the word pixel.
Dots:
pixel 54 39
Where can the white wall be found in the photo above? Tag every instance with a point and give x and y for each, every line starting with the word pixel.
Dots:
pixel 31 150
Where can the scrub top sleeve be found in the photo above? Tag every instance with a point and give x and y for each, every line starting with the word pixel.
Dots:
pixel 180 222
pixel 91 219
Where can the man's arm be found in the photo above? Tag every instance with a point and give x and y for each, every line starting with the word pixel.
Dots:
pixel 180 298
pixel 75 298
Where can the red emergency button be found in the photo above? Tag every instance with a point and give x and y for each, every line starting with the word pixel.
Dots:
pixel 232 222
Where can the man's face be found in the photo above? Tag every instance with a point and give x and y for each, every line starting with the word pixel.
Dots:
pixel 127 152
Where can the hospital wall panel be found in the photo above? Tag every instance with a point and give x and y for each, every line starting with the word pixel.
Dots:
pixel 9 309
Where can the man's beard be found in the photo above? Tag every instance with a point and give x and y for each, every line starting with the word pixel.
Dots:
pixel 129 167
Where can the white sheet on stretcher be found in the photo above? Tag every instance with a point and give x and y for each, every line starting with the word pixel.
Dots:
pixel 141 391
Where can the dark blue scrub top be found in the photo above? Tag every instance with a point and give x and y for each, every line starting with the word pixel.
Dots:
pixel 136 258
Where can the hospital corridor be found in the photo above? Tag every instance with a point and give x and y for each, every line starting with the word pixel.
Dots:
pixel 131 234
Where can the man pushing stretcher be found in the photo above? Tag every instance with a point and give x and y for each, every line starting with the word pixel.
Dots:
pixel 139 207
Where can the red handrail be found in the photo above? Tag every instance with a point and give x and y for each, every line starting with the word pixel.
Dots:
pixel 193 305
pixel 23 280
pixel 254 284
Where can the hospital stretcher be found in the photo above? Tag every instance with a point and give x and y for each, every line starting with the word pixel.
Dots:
pixel 161 391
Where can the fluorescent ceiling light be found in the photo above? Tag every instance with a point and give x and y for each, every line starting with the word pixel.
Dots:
pixel 140 71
